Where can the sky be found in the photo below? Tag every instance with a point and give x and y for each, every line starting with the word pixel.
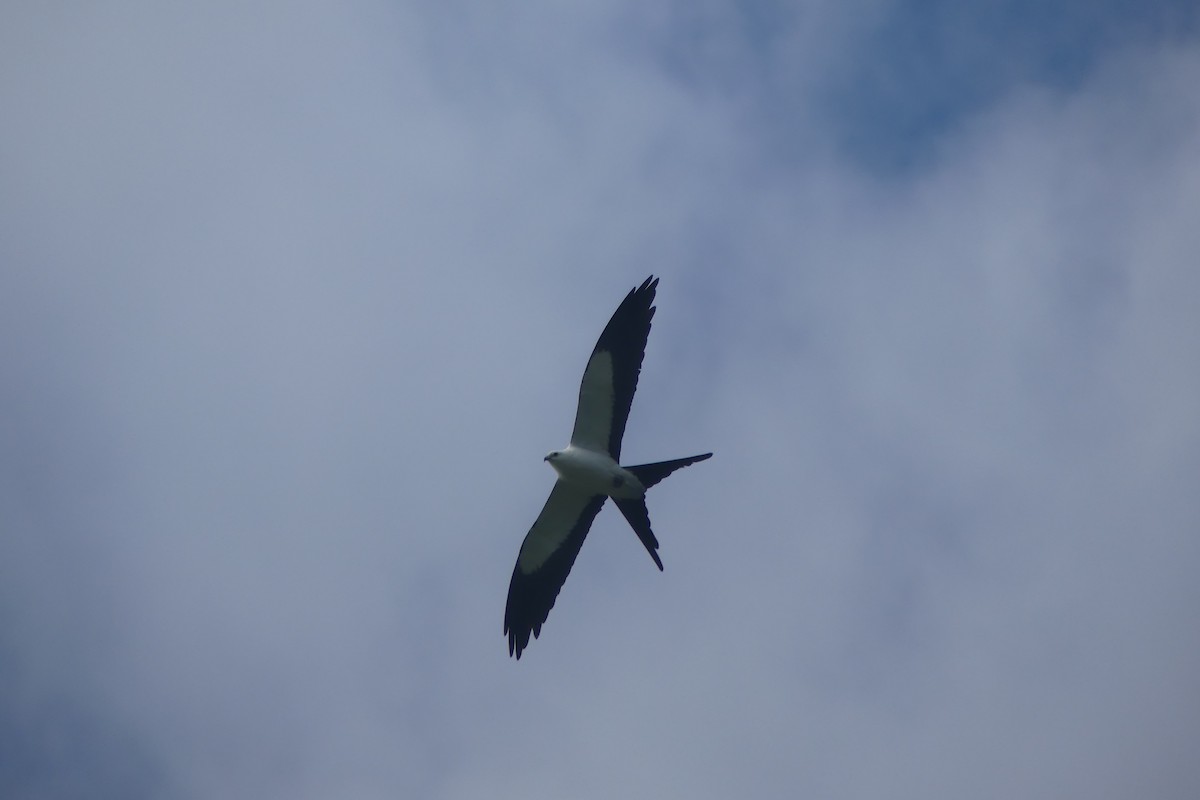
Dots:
pixel 294 297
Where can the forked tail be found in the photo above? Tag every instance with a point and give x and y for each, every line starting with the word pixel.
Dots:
pixel 650 474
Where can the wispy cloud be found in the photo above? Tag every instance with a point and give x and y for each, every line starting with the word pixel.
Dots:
pixel 294 300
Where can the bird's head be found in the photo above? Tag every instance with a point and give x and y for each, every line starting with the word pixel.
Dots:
pixel 552 455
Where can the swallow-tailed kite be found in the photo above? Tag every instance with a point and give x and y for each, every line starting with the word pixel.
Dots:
pixel 588 472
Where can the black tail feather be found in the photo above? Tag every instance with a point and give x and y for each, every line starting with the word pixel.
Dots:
pixel 634 509
pixel 650 474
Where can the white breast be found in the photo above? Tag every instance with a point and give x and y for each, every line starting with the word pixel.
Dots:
pixel 596 472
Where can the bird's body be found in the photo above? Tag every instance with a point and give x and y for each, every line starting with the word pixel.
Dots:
pixel 595 473
pixel 589 472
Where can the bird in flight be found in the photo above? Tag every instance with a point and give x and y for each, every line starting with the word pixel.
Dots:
pixel 589 472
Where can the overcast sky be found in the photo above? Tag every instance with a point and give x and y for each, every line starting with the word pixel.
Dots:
pixel 294 297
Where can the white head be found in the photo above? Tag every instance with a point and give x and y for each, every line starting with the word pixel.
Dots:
pixel 557 460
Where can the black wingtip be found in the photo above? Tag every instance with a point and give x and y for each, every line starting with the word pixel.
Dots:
pixel 645 294
pixel 517 642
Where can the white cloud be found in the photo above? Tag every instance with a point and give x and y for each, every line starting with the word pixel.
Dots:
pixel 297 300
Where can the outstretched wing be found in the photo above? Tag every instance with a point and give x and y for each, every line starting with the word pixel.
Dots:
pixel 545 560
pixel 611 376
